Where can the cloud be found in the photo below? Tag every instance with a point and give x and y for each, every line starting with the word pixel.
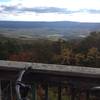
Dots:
pixel 8 8
pixel 47 10
pixel 17 9
pixel 20 9
pixel 89 11
pixel 93 11
pixel 50 10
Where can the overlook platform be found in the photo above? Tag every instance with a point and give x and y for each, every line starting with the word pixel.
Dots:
pixel 80 79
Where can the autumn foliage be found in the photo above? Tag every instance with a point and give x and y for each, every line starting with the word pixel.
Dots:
pixel 80 52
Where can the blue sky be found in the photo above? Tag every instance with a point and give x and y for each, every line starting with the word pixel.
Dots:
pixel 50 10
pixel 4 0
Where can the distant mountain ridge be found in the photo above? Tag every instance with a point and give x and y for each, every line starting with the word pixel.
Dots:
pixel 52 30
pixel 58 24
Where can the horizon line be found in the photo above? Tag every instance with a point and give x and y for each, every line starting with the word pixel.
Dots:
pixel 45 21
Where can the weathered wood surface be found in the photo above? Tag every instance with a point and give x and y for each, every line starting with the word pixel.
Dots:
pixel 51 68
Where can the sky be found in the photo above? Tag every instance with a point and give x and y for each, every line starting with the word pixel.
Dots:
pixel 50 10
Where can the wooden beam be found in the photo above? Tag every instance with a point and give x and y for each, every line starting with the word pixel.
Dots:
pixel 52 69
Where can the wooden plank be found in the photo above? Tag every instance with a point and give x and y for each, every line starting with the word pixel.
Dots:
pixel 52 68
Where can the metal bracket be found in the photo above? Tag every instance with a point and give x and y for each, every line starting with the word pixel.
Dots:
pixel 20 84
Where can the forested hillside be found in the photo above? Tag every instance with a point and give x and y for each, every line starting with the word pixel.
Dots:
pixel 81 52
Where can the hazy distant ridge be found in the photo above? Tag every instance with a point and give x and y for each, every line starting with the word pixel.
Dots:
pixel 59 24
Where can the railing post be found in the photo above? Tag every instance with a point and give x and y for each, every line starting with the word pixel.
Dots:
pixel 59 92
pixel 11 90
pixel 33 91
pixel 46 91
pixel 72 92
pixel 87 95
pixel 0 91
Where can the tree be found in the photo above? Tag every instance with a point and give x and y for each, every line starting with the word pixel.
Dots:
pixel 93 57
pixel 79 58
